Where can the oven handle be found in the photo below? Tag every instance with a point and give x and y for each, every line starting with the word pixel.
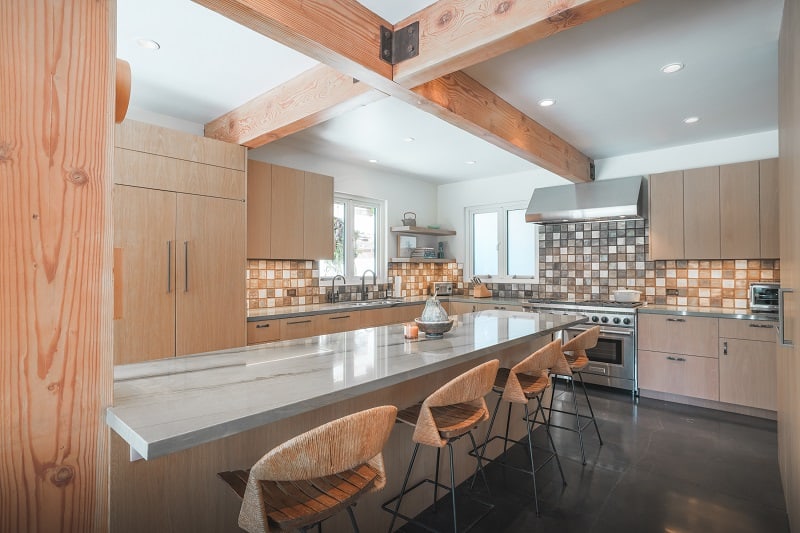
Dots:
pixel 627 333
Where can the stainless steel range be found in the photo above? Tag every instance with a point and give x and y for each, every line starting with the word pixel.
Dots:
pixel 613 360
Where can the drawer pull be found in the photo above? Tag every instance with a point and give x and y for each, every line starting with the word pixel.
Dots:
pixel 676 320
pixel 259 326
pixel 338 317
pixel 298 322
pixel 766 326
pixel 675 358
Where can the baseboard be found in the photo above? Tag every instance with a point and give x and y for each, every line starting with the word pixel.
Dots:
pixel 709 404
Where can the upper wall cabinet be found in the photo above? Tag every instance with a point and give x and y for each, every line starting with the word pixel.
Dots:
pixel 725 212
pixel 289 213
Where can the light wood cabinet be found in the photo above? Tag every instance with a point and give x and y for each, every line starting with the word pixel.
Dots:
pixel 337 322
pixel 747 363
pixel 739 211
pixel 666 215
pixel 289 213
pixel 299 327
pixel 179 243
pixel 674 334
pixel 685 375
pixel 768 208
pixel 263 331
pixel 701 224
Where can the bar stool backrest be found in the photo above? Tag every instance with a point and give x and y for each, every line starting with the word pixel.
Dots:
pixel 323 451
pixel 580 343
pixel 547 359
pixel 470 388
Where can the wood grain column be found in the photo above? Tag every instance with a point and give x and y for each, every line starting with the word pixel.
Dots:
pixel 56 118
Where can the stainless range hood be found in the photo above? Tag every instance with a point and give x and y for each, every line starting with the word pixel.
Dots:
pixel 616 199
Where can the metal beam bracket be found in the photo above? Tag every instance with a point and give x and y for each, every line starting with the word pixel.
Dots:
pixel 399 45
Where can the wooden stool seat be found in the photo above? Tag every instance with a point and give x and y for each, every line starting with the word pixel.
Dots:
pixel 532 384
pixel 294 504
pixel 577 360
pixel 451 420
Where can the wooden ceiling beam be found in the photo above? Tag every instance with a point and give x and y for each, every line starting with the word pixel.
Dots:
pixel 316 95
pixel 465 103
pixel 456 34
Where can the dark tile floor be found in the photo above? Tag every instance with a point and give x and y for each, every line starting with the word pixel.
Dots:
pixel 663 467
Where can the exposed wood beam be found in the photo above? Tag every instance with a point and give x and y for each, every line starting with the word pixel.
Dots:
pixel 463 102
pixel 311 98
pixel 456 34
pixel 343 34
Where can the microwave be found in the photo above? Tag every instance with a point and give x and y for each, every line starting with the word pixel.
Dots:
pixel 764 297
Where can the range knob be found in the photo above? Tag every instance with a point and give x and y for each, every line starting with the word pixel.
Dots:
pixel 626 321
pixel 616 320
pixel 594 319
pixel 604 319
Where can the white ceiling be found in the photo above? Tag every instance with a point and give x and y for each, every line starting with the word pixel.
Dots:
pixel 611 97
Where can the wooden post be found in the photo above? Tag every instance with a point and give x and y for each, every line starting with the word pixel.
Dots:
pixel 56 119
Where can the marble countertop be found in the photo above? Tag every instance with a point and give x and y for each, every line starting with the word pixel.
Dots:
pixel 712 312
pixel 165 406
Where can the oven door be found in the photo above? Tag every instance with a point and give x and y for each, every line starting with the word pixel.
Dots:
pixel 613 361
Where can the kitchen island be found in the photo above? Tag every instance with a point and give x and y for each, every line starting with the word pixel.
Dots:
pixel 191 417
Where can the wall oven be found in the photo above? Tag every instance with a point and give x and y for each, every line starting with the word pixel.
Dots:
pixel 613 361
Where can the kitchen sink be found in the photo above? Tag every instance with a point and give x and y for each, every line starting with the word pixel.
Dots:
pixel 372 303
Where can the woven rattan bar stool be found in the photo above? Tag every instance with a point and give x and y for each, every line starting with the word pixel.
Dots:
pixel 575 354
pixel 445 416
pixel 526 381
pixel 315 475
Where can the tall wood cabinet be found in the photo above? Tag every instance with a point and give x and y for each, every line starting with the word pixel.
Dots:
pixel 666 215
pixel 179 256
pixel 289 213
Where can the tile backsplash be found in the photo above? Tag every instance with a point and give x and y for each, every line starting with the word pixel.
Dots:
pixel 576 261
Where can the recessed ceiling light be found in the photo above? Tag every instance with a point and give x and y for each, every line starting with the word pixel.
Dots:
pixel 470 162
pixel 148 44
pixel 672 67
pixel 373 160
pixel 547 102
pixel 408 139
pixel 691 120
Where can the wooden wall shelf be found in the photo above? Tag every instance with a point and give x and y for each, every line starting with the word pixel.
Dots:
pixel 418 230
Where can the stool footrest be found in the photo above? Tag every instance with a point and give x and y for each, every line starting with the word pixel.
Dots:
pixel 498 459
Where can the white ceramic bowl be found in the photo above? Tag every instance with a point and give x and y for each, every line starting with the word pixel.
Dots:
pixel 627 295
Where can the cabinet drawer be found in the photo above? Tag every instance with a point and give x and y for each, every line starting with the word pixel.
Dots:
pixel 299 327
pixel 681 374
pixel 678 334
pixel 754 330
pixel 263 331
pixel 340 322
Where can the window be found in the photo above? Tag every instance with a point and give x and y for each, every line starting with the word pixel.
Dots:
pixel 358 238
pixel 500 244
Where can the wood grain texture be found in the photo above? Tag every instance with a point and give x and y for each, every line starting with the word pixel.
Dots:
pixel 684 375
pixel 465 103
pixel 456 34
pixel 740 234
pixel 263 331
pixel 57 101
pixel 122 90
pixel 666 215
pixel 317 95
pixel 789 178
pixel 754 330
pixel 259 209
pixel 689 335
pixel 287 226
pixel 701 235
pixel 747 373
pixel 769 208
pixel 318 216
pixel 344 34
pixel 152 139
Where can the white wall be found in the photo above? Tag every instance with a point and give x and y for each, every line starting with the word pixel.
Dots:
pixel 751 147
pixel 165 121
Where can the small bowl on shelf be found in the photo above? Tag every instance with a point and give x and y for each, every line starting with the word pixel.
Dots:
pixel 434 329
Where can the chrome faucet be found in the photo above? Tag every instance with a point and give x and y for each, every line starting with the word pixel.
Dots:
pixel 334 296
pixel 363 288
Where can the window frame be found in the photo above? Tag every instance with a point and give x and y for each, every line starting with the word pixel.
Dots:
pixel 502 210
pixel 351 201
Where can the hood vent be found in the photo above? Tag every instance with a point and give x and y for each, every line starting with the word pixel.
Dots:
pixel 616 199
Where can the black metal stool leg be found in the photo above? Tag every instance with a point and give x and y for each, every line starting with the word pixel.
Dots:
pixel 436 479
pixel 403 490
pixel 591 411
pixel 353 519
pixel 486 440
pixel 577 419
pixel 549 436
pixel 453 487
pixel 480 463
pixel 552 399
pixel 508 424
pixel 529 424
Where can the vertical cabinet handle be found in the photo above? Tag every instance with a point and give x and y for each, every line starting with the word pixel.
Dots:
pixel 782 318
pixel 185 266
pixel 169 267
pixel 725 348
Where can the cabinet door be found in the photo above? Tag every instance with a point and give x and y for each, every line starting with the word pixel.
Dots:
pixel 211 262
pixel 666 215
pixel 288 187
pixel 144 274
pixel 263 331
pixel 459 308
pixel 701 234
pixel 259 209
pixel 334 323
pixel 739 211
pixel 299 327
pixel 318 217
pixel 768 208
pixel 747 373
pixel 685 375
pixel 677 334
